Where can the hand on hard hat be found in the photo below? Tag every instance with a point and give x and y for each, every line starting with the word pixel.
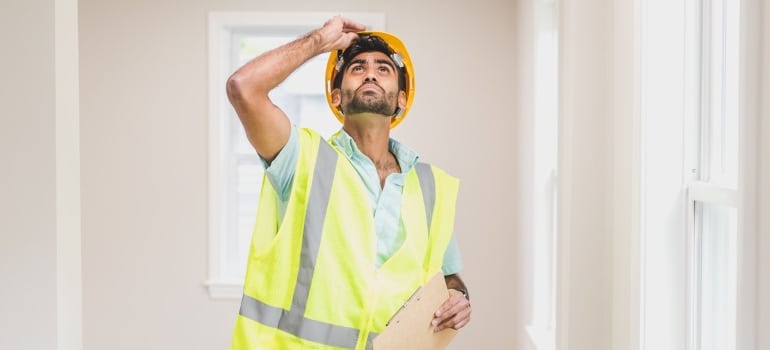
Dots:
pixel 337 34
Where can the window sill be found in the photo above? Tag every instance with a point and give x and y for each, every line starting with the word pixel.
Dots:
pixel 224 290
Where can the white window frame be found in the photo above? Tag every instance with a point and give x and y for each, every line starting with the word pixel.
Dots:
pixel 709 188
pixel 663 101
pixel 542 328
pixel 677 329
pixel 748 235
pixel 220 283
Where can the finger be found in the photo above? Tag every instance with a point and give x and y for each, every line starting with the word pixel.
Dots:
pixel 349 38
pixel 452 312
pixel 460 319
pixel 458 314
pixel 462 323
pixel 457 321
pixel 349 25
pixel 461 309
pixel 334 22
pixel 456 298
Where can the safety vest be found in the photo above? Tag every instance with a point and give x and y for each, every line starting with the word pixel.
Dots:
pixel 311 280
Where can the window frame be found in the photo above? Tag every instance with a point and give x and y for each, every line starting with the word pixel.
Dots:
pixel 706 187
pixel 545 46
pixel 697 189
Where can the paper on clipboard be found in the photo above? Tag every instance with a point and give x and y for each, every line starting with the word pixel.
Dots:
pixel 411 328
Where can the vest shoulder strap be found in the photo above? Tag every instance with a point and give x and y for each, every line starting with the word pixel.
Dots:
pixel 428 185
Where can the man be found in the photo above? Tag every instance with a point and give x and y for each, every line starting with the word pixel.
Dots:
pixel 346 230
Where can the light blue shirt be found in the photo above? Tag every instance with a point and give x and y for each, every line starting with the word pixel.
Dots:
pixel 385 200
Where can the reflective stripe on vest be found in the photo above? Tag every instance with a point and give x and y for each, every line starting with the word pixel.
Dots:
pixel 293 321
pixel 428 187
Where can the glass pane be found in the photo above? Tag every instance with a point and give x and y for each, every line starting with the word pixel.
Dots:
pixel 722 138
pixel 252 46
pixel 246 196
pixel 240 143
pixel 717 284
pixel 315 114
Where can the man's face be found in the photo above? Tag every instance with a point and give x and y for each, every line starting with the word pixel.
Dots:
pixel 370 85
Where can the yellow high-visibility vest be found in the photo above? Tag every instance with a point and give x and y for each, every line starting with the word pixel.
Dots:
pixel 311 281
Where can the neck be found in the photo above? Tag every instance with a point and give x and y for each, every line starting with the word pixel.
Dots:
pixel 371 139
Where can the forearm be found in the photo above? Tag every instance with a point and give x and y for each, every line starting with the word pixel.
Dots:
pixel 263 73
pixel 266 125
pixel 266 71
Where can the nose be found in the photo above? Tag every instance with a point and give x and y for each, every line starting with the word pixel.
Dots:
pixel 370 76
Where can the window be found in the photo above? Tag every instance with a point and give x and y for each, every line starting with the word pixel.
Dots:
pixel 712 197
pixel 235 171
pixel 690 211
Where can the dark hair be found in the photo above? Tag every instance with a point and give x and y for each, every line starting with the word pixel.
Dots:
pixel 366 43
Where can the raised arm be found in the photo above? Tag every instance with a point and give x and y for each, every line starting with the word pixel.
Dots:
pixel 266 125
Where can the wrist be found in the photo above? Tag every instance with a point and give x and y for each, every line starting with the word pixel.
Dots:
pixel 464 292
pixel 316 39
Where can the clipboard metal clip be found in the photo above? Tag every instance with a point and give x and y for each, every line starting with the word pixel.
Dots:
pixel 406 303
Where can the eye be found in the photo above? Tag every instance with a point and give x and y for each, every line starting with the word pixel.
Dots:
pixel 357 68
pixel 384 69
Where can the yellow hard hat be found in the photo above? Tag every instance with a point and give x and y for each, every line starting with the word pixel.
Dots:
pixel 399 56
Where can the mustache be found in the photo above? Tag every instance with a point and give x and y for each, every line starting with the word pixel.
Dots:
pixel 372 83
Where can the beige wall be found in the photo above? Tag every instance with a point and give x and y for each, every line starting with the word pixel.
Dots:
pixel 585 175
pixel 625 208
pixel 27 178
pixel 763 253
pixel 144 160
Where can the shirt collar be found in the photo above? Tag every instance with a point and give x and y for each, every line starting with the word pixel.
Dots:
pixel 406 157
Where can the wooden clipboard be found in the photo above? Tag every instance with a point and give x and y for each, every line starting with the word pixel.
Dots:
pixel 410 328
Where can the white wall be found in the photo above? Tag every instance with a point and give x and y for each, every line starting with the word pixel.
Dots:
pixel 144 159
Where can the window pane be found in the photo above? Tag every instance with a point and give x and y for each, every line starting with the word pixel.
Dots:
pixel 723 70
pixel 249 179
pixel 253 46
pixel 717 284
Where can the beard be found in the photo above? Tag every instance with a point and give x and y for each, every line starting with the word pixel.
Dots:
pixel 368 102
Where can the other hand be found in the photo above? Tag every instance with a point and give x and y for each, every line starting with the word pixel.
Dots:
pixel 455 312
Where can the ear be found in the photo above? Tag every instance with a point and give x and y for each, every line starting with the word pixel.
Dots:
pixel 401 99
pixel 336 98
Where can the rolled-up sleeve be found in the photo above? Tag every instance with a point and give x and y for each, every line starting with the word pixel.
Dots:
pixel 452 261
pixel 280 172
